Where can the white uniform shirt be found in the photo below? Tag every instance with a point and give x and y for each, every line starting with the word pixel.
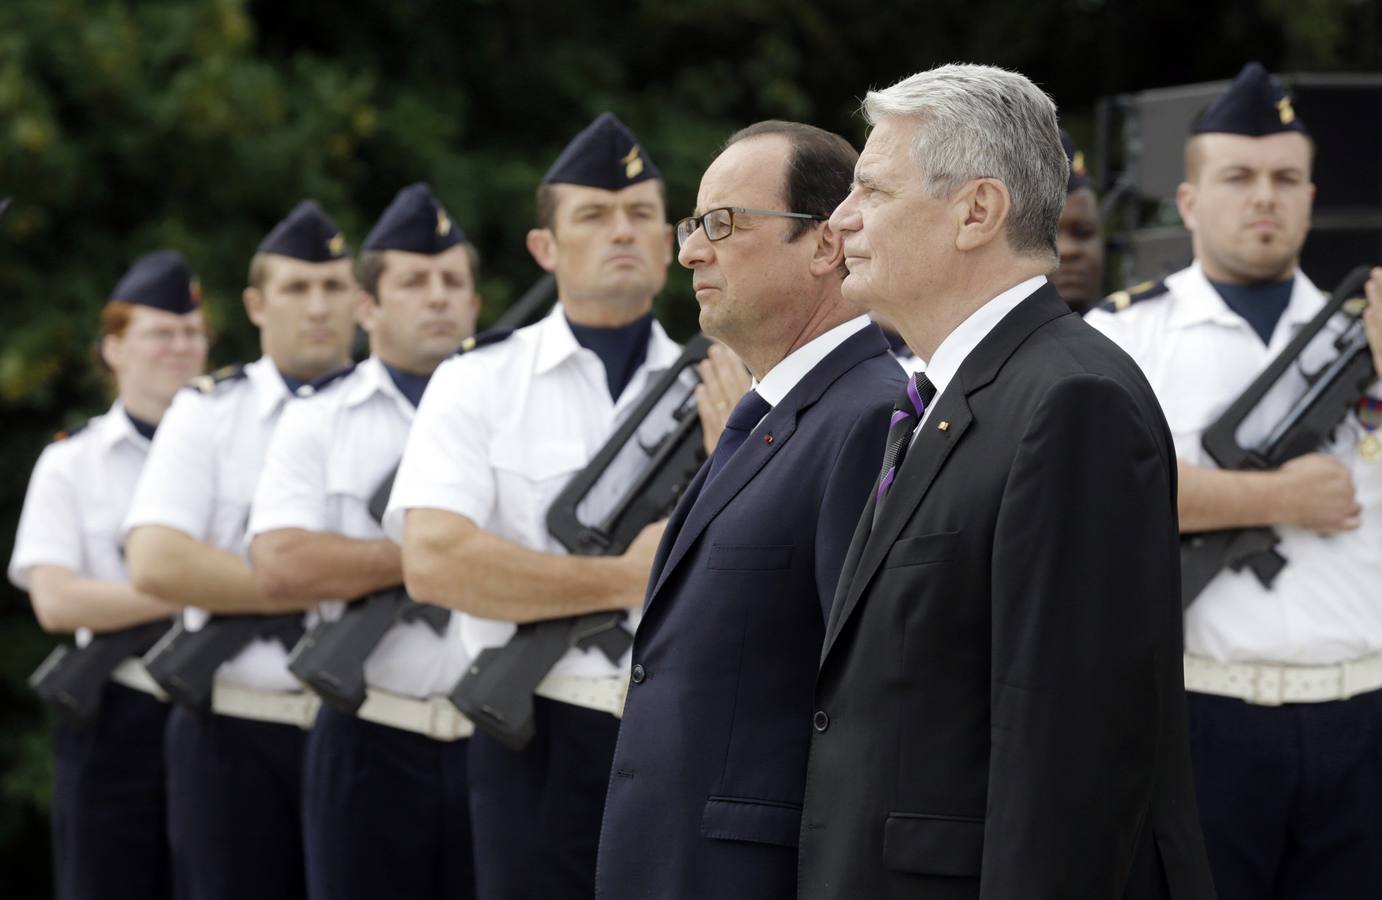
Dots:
pixel 327 457
pixel 1326 605
pixel 78 495
pixel 500 432
pixel 203 466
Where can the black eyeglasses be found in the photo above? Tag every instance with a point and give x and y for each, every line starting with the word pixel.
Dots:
pixel 719 223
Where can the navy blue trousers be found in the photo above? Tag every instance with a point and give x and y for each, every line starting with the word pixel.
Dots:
pixel 386 813
pixel 537 812
pixel 1290 797
pixel 109 834
pixel 234 808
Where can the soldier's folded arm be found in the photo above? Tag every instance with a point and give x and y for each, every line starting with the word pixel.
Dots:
pixel 64 601
pixel 1313 491
pixel 292 565
pixel 179 569
pixel 449 561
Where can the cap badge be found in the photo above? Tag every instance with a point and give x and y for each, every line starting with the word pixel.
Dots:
pixel 1077 164
pixel 194 290
pixel 1284 109
pixel 443 223
pixel 336 246
pixel 633 164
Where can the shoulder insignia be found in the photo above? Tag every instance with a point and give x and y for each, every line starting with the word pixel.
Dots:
pixel 70 432
pixel 484 339
pixel 1121 300
pixel 322 382
pixel 207 384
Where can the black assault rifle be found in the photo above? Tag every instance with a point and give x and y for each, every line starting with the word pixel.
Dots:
pixel 184 662
pixel 1333 390
pixel 71 678
pixel 496 693
pixel 330 658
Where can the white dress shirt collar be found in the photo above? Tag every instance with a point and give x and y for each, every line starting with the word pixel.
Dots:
pixel 951 354
pixel 784 376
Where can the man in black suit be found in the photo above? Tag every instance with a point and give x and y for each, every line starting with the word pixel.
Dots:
pixel 705 792
pixel 1000 710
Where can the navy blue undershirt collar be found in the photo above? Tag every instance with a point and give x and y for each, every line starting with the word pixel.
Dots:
pixel 1260 305
pixel 144 428
pixel 292 383
pixel 622 349
pixel 409 384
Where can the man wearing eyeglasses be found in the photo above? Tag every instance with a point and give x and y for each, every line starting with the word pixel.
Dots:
pixel 705 793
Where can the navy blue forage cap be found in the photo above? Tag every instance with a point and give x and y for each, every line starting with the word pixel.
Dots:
pixel 416 222
pixel 307 233
pixel 1255 105
pixel 161 280
pixel 1079 172
pixel 605 155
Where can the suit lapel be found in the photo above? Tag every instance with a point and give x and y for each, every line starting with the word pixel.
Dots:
pixel 933 447
pixel 781 424
pixel 919 470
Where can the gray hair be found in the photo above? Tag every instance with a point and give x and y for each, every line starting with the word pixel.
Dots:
pixel 986 122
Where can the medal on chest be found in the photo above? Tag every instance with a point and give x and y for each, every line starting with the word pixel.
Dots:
pixel 1370 417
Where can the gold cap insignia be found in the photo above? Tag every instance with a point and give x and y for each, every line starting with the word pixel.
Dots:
pixel 633 164
pixel 194 290
pixel 1077 164
pixel 336 246
pixel 443 223
pixel 1284 109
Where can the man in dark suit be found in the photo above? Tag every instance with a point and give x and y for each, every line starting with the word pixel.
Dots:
pixel 1000 710
pixel 705 792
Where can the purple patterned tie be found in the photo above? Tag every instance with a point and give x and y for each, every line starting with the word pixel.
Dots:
pixel 910 407
pixel 745 416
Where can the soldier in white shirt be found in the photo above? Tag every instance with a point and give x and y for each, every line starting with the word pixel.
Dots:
pixel 1284 682
pixel 109 830
pixel 386 800
pixel 499 433
pixel 234 774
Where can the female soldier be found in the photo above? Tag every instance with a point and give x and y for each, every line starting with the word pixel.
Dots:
pixel 109 836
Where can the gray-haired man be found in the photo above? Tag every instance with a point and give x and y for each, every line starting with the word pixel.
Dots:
pixel 1000 708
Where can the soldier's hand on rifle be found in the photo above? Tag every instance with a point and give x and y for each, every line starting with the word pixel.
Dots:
pixel 724 380
pixel 1316 493
pixel 638 560
pixel 1372 319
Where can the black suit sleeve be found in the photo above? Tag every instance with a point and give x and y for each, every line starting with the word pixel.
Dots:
pixel 848 481
pixel 1084 566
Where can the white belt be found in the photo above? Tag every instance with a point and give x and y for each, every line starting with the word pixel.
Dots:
pixel 603 693
pixel 132 674
pixel 283 707
pixel 1269 684
pixel 434 717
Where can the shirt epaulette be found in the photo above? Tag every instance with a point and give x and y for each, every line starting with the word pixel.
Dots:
pixel 208 384
pixel 70 432
pixel 1121 300
pixel 484 339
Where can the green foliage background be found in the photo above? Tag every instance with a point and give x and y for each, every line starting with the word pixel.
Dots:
pixel 195 124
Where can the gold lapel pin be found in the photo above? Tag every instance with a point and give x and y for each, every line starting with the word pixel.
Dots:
pixel 944 426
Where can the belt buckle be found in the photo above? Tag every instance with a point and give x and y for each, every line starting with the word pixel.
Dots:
pixel 311 705
pixel 443 720
pixel 1268 684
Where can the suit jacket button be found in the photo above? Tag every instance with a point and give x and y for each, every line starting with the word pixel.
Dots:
pixel 820 720
pixel 638 674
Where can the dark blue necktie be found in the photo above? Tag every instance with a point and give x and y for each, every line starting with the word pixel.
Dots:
pixel 747 413
pixel 907 412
